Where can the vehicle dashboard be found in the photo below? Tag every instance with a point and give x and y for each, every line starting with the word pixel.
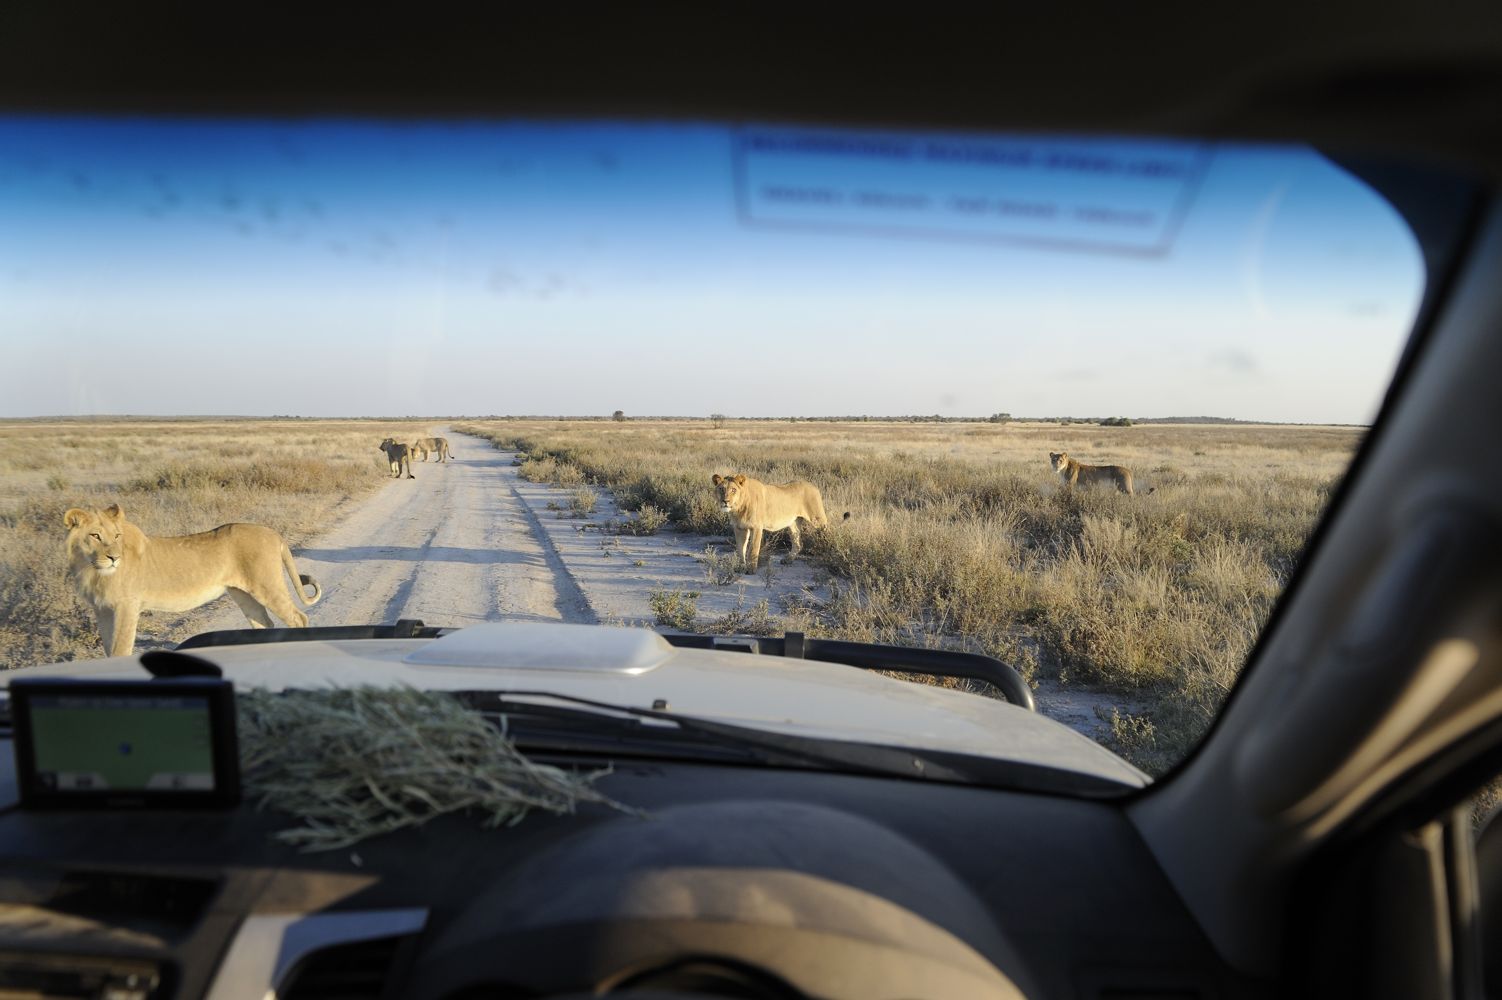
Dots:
pixel 733 881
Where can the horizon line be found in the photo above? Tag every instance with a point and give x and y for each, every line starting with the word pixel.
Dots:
pixel 682 418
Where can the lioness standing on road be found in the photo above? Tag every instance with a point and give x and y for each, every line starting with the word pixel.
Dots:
pixel 1072 473
pixel 755 506
pixel 398 455
pixel 119 571
pixel 439 446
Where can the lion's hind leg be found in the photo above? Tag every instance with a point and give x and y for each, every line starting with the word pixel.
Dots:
pixel 256 606
pixel 816 515
pixel 795 543
pixel 251 608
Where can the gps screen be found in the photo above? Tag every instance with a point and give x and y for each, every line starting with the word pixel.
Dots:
pixel 94 742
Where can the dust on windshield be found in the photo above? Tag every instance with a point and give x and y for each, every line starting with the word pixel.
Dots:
pixel 1076 404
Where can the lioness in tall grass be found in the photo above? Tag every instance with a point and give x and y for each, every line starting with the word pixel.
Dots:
pixel 120 571
pixel 1072 473
pixel 755 506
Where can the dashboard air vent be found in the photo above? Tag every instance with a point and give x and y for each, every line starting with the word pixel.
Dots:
pixel 360 970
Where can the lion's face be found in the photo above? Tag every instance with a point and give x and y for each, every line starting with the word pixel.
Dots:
pixel 1058 460
pixel 728 489
pixel 95 538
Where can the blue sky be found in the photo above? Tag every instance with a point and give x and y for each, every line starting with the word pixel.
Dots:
pixel 364 268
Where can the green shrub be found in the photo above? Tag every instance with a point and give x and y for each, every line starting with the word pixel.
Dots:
pixel 569 475
pixel 538 470
pixel 582 501
pixel 675 608
pixel 721 568
pixel 758 620
pixel 648 521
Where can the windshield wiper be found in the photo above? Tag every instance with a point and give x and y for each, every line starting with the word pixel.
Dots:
pixel 403 628
pixel 626 726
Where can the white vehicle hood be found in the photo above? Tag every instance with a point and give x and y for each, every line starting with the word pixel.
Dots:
pixel 637 667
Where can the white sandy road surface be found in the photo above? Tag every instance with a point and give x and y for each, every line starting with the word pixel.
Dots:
pixel 471 541
pixel 454 546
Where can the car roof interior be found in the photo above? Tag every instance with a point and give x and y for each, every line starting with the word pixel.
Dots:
pixel 1322 825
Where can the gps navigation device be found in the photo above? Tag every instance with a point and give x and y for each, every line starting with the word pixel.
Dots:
pixel 162 742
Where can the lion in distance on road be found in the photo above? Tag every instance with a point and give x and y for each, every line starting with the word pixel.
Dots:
pixel 433 445
pixel 399 456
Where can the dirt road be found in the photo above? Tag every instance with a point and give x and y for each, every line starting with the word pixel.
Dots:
pixel 452 547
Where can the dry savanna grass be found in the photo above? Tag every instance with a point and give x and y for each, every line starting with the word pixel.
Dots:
pixel 960 535
pixel 172 478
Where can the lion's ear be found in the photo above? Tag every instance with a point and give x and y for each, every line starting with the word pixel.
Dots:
pixel 74 517
pixel 717 479
pixel 740 480
pixel 115 512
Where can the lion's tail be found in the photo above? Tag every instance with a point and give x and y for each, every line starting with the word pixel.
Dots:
pixel 301 580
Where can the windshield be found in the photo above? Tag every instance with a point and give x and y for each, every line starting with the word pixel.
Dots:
pixel 1074 403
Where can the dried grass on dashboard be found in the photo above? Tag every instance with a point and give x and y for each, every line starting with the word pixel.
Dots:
pixel 353 763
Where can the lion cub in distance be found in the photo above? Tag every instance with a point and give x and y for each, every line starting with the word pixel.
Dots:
pixel 1072 473
pixel 120 571
pixel 755 506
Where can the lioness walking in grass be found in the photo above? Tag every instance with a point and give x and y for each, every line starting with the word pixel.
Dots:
pixel 1072 473
pixel 755 506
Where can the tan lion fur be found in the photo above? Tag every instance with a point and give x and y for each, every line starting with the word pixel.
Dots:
pixel 433 445
pixel 755 506
pixel 119 571
pixel 1072 473
pixel 399 456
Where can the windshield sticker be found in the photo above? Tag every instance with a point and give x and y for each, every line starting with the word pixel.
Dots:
pixel 1120 197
